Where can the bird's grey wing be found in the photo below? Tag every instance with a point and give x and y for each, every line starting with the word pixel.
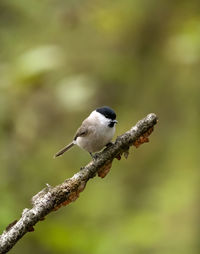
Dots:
pixel 81 132
pixel 86 129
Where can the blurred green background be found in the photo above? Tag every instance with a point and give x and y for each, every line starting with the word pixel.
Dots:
pixel 61 59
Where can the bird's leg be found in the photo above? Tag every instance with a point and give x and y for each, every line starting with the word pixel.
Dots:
pixel 109 144
pixel 94 156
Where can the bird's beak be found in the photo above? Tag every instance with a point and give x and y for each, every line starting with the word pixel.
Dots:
pixel 115 121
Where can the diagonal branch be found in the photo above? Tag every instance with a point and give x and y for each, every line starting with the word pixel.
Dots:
pixel 52 198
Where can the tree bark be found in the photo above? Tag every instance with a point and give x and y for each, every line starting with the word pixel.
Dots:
pixel 52 198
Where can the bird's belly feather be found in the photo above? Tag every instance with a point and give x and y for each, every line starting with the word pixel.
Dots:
pixel 96 140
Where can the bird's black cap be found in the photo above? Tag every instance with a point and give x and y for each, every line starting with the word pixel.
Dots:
pixel 107 112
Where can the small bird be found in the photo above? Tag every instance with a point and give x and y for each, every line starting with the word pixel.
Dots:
pixel 96 131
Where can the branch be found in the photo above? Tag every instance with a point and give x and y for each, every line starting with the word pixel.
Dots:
pixel 52 198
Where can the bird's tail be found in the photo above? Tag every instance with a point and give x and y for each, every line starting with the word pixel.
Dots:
pixel 64 149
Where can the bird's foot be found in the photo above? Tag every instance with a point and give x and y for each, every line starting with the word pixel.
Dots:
pixel 94 156
pixel 109 144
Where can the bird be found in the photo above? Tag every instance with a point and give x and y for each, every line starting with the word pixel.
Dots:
pixel 95 132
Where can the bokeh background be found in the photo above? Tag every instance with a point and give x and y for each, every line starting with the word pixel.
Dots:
pixel 60 59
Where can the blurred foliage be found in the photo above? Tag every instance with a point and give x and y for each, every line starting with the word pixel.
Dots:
pixel 59 60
